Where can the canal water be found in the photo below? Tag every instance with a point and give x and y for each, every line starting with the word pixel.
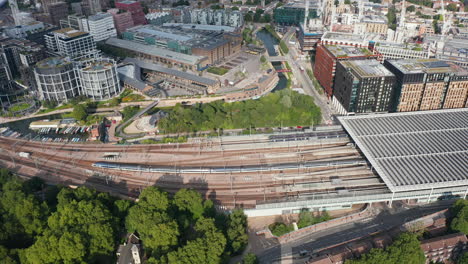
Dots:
pixel 22 126
pixel 269 43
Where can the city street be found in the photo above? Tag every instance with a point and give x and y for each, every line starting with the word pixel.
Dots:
pixel 385 220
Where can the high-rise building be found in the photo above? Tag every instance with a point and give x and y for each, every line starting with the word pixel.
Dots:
pixel 221 17
pixel 20 52
pixel 99 79
pixel 428 84
pixel 135 8
pixel 362 86
pixel 57 11
pixel 327 57
pixel 70 42
pixel 122 20
pixel 100 26
pixel 57 79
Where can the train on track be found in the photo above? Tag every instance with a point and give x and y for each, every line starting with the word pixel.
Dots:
pixel 227 169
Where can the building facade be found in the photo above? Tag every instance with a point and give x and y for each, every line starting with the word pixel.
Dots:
pixel 362 86
pixel 327 57
pixel 122 20
pixel 100 26
pixel 428 84
pixel 444 248
pixel 99 79
pixel 70 42
pixel 57 11
pixel 138 16
pixel 57 79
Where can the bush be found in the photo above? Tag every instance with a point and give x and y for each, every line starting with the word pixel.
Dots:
pixel 279 229
pixel 218 70
pixel 284 48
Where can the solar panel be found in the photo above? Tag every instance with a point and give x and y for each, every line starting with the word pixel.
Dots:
pixel 414 151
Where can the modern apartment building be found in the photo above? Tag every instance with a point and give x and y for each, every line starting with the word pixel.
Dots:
pixel 70 42
pixel 138 16
pixel 60 79
pixel 100 26
pixel 327 57
pixel 57 79
pixel 428 84
pixel 98 78
pixel 362 86
pixel 122 20
pixel 221 17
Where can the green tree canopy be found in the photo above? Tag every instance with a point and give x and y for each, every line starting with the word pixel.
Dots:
pixel 405 249
pixel 79 112
pixel 189 200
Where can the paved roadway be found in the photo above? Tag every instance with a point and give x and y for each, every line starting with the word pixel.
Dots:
pixel 387 219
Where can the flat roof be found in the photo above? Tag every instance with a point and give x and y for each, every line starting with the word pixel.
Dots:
pixel 343 36
pixel 154 51
pixel 180 74
pixel 70 32
pixel 427 66
pixel 367 68
pixel 414 151
pixel 348 51
pixel 201 27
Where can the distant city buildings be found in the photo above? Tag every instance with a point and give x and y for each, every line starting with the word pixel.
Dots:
pixel 135 8
pixel 221 17
pixel 122 20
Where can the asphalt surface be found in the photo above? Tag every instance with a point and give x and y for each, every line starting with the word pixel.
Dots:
pixel 385 220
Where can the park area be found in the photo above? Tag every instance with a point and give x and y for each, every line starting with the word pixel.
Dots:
pixel 282 108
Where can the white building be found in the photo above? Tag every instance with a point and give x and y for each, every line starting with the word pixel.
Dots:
pixel 100 26
pixel 70 42
pixel 221 17
pixel 99 79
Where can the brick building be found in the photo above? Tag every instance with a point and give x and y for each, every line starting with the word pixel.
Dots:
pixel 327 57
pixel 441 249
pixel 122 20
pixel 135 8
pixel 428 84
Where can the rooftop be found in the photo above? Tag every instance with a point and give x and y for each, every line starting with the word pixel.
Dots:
pixel 367 68
pixel 343 36
pixel 416 150
pixel 201 27
pixel 427 66
pixel 155 51
pixel 52 62
pixel 70 32
pixel 99 16
pixel 180 74
pixel 348 51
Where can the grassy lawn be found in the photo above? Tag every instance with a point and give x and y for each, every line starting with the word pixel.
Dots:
pixel 65 106
pixel 217 70
pixel 19 107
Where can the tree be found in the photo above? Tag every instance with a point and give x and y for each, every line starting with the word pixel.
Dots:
pixel 411 8
pixel 263 59
pixel 189 200
pixel 248 17
pixel 452 7
pixel 236 231
pixel 234 8
pixel 463 259
pixel 347 2
pixel 405 249
pixel 391 16
pixel 149 218
pixel 79 112
pixel 459 210
pixel 250 258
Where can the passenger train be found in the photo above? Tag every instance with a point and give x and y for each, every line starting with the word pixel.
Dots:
pixel 227 169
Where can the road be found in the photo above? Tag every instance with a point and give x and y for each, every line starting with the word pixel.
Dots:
pixel 385 220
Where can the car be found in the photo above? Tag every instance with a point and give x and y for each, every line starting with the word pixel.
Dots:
pixel 303 252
